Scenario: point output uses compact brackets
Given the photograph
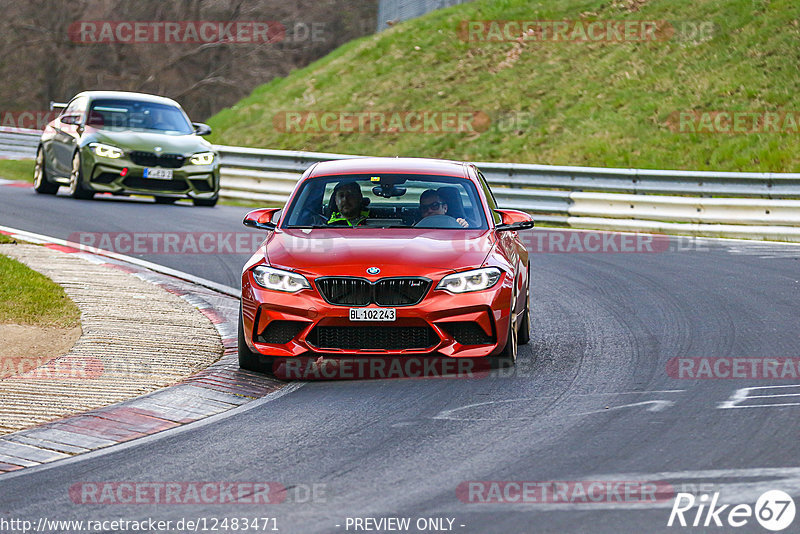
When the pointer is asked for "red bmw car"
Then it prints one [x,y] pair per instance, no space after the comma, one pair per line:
[386,257]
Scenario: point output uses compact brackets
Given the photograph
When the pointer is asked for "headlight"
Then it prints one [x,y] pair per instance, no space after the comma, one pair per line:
[278,280]
[106,151]
[475,280]
[203,158]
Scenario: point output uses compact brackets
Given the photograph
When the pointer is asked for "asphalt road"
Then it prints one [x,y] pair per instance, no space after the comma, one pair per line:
[591,400]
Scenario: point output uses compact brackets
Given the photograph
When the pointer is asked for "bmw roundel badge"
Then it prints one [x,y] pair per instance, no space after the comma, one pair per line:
[373,270]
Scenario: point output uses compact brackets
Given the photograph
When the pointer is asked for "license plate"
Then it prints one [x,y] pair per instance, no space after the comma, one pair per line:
[372,314]
[161,174]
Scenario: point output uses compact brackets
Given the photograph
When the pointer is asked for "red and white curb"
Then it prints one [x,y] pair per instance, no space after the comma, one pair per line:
[216,389]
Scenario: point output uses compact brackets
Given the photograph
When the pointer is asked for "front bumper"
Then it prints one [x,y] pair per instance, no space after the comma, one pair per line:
[104,175]
[468,325]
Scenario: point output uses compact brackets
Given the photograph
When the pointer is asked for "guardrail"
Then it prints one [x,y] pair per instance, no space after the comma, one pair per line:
[714,204]
[18,143]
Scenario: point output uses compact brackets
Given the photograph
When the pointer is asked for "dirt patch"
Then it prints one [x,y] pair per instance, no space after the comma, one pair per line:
[24,348]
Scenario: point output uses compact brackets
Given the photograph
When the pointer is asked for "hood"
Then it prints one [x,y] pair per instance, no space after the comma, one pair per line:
[147,141]
[396,252]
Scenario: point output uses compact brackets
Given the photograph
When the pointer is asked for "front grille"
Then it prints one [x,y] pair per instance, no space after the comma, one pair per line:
[373,337]
[150,159]
[345,291]
[400,291]
[468,333]
[151,184]
[280,332]
[352,291]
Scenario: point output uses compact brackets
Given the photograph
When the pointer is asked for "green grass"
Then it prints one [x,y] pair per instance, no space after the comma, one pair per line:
[600,104]
[30,298]
[17,169]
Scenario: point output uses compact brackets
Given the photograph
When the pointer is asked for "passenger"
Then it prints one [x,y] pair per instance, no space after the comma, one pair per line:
[348,205]
[430,204]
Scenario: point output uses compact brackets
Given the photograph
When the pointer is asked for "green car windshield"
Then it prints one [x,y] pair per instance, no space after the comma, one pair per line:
[122,115]
[387,201]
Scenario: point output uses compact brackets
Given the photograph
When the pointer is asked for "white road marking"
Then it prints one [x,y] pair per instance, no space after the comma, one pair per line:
[656,406]
[449,415]
[743,394]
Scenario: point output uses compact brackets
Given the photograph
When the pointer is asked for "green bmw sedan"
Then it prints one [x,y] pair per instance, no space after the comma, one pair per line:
[127,143]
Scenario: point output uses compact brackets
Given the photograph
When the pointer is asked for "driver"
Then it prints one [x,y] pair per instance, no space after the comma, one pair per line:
[156,119]
[430,204]
[349,201]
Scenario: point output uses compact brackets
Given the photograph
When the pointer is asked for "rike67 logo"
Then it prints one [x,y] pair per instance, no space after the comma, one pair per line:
[774,510]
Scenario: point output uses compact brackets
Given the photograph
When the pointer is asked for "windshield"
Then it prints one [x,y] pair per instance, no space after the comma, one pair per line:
[386,201]
[120,115]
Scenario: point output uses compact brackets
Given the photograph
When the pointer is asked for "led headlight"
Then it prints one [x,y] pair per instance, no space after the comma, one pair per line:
[106,151]
[475,280]
[279,280]
[203,158]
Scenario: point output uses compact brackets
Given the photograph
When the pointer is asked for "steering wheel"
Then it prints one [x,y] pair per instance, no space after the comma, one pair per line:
[313,218]
[438,221]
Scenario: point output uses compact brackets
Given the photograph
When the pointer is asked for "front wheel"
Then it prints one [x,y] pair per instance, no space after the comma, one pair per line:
[40,183]
[508,357]
[524,335]
[76,188]
[249,360]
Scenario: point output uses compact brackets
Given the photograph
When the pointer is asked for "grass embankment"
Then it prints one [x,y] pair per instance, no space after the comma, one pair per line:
[30,298]
[581,103]
[16,169]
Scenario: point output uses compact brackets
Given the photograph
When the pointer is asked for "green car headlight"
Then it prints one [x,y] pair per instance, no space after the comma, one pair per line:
[106,151]
[468,281]
[203,158]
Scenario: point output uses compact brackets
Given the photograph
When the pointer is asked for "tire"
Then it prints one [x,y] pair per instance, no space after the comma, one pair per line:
[76,188]
[205,202]
[40,182]
[165,200]
[507,358]
[524,334]
[249,360]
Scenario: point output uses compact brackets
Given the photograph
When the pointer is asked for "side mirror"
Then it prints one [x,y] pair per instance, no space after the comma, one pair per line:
[261,219]
[201,129]
[70,119]
[514,220]
[57,105]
